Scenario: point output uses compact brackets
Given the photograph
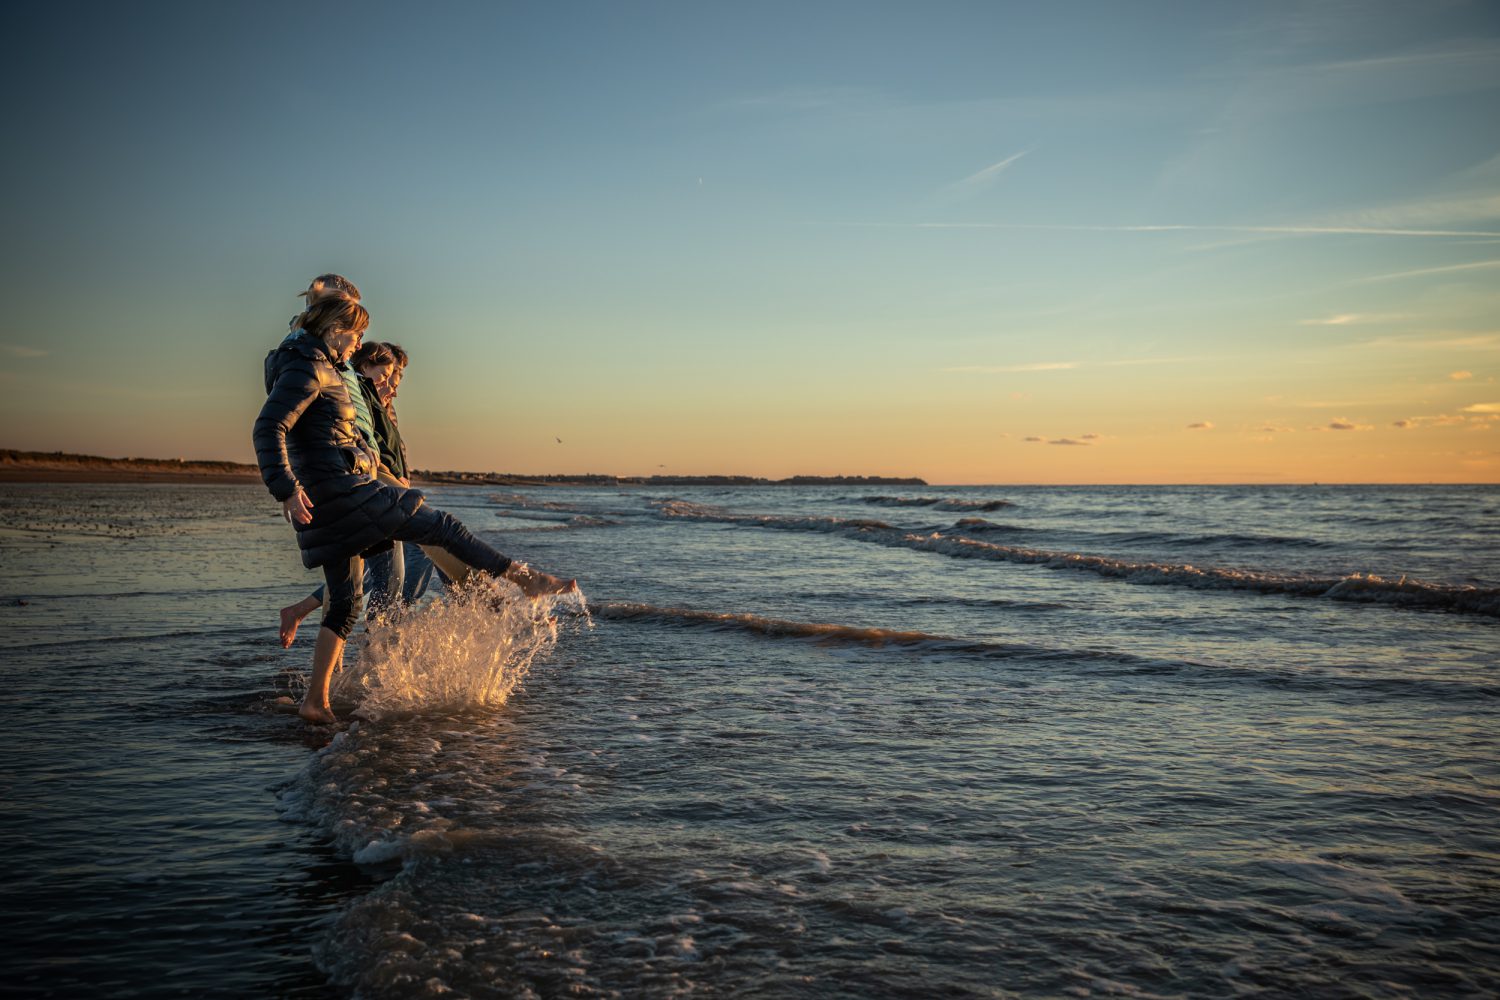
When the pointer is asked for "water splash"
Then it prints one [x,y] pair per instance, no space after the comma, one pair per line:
[470,647]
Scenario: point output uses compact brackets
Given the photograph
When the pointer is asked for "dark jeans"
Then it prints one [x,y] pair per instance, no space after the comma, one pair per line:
[379,582]
[428,526]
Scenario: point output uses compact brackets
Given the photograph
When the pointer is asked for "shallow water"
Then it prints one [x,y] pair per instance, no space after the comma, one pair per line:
[813,742]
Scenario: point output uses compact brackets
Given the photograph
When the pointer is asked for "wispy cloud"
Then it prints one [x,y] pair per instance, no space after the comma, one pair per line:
[1438,420]
[1083,441]
[1307,230]
[1145,361]
[1053,366]
[1460,376]
[1355,319]
[1448,340]
[1478,265]
[1457,217]
[982,179]
[1280,81]
[1041,366]
[1202,425]
[1281,85]
[1458,209]
[22,351]
[1345,424]
[1483,408]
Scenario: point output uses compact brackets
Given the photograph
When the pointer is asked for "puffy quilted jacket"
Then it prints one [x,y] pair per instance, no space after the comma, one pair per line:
[305,437]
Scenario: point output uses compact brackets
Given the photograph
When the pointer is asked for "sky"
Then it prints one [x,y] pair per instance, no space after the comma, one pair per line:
[1074,242]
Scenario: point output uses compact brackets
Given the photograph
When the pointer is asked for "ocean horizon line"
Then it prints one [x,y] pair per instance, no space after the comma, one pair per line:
[18,465]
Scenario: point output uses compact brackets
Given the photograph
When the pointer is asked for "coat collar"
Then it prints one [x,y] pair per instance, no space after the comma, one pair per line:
[309,346]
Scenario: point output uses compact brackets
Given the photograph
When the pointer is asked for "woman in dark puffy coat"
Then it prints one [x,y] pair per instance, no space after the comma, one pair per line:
[312,461]
[385,572]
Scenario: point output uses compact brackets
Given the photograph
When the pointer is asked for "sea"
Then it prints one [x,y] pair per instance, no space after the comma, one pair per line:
[807,742]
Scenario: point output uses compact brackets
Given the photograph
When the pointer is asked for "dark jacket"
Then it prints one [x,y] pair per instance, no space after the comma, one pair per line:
[305,436]
[387,436]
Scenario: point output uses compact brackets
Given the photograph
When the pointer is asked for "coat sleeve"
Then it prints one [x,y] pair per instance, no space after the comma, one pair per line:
[294,390]
[384,430]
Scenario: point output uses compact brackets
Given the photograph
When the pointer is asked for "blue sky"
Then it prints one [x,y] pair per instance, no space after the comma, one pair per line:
[775,238]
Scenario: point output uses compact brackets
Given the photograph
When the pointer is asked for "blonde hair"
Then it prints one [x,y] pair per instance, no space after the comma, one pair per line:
[321,289]
[335,313]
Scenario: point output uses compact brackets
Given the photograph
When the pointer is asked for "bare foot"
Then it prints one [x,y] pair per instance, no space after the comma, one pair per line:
[318,715]
[291,617]
[289,622]
[534,583]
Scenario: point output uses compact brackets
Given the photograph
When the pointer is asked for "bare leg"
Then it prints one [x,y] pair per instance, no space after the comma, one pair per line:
[292,615]
[457,570]
[327,654]
[533,583]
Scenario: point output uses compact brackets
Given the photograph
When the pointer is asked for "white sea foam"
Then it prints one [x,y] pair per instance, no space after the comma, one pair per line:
[558,521]
[939,503]
[772,627]
[1355,586]
[1362,587]
[520,500]
[688,509]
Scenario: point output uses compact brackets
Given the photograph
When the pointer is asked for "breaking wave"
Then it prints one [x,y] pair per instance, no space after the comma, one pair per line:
[521,500]
[980,526]
[938,503]
[773,627]
[557,524]
[1362,587]
[1355,677]
[1355,587]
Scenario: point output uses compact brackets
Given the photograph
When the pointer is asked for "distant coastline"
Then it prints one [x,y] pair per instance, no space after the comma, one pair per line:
[63,467]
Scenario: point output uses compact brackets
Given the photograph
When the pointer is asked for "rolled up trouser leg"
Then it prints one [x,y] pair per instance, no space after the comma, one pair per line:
[345,582]
[317,595]
[430,527]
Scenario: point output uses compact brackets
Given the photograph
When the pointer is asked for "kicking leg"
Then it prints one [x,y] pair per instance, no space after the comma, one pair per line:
[435,528]
[453,567]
